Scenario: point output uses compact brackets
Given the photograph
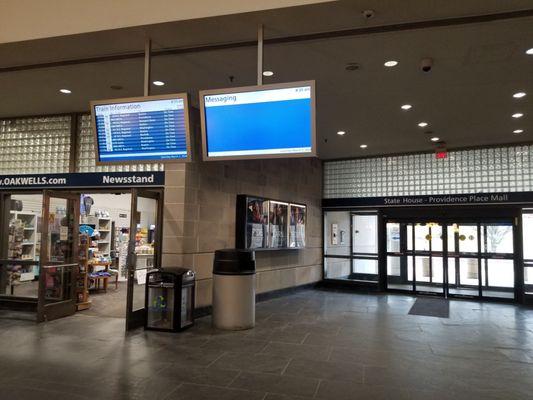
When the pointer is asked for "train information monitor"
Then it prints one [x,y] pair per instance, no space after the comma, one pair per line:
[268,121]
[142,129]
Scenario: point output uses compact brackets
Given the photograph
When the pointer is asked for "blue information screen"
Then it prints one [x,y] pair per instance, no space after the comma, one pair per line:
[259,123]
[141,130]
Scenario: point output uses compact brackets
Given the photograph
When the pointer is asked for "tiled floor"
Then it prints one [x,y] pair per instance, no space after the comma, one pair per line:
[313,344]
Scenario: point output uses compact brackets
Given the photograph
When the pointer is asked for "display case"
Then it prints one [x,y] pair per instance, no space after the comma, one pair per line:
[267,224]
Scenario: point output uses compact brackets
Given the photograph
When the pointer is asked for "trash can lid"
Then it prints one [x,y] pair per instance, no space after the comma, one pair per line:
[234,262]
[186,272]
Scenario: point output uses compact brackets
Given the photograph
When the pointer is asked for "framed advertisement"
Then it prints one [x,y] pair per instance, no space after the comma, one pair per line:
[298,215]
[256,223]
[278,224]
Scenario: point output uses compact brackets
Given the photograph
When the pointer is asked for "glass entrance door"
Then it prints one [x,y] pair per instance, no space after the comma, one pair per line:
[415,257]
[425,257]
[59,231]
[144,251]
[452,259]
[497,260]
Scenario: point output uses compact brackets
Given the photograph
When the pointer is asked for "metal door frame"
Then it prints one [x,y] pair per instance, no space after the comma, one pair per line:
[137,318]
[446,254]
[49,311]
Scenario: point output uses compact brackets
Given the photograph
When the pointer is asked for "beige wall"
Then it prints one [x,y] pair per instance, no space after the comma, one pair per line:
[36,19]
[199,217]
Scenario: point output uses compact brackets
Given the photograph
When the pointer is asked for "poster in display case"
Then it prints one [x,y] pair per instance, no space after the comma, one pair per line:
[278,224]
[297,225]
[256,223]
[266,224]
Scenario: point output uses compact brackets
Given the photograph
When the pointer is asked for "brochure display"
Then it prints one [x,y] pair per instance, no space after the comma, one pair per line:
[264,224]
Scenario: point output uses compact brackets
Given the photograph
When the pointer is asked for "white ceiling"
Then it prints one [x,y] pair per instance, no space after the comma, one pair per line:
[467,98]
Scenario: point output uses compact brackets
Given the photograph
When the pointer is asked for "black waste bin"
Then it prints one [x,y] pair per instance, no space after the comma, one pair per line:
[169,299]
[234,289]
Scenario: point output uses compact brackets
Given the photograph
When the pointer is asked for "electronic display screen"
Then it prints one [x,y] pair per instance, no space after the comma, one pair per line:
[259,122]
[141,129]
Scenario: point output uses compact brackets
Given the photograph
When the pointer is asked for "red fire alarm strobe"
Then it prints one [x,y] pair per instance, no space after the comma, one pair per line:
[441,153]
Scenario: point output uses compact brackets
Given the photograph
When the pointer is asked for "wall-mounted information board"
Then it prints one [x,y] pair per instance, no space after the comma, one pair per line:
[154,128]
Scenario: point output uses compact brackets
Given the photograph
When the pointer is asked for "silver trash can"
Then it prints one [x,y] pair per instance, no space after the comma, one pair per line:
[234,289]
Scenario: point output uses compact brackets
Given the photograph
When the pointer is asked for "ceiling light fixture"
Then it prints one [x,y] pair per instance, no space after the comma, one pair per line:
[352,66]
[363,146]
[65,91]
[407,107]
[341,133]
[435,139]
[391,63]
[519,95]
[518,131]
[530,51]
[268,73]
[423,124]
[159,83]
[517,115]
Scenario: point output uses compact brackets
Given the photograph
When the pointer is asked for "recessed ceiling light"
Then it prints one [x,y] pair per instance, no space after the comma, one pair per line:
[435,139]
[530,51]
[341,133]
[518,131]
[519,95]
[407,107]
[363,146]
[268,73]
[391,63]
[65,91]
[423,124]
[159,83]
[517,115]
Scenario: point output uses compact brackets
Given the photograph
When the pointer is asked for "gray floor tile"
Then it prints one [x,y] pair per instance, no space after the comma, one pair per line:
[235,344]
[199,375]
[277,396]
[297,351]
[187,355]
[271,383]
[252,363]
[340,371]
[189,391]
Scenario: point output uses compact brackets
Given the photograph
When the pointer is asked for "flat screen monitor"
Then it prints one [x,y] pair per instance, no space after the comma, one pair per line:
[142,129]
[268,121]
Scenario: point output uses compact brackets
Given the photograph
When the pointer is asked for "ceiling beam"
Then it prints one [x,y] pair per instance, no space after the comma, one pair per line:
[408,26]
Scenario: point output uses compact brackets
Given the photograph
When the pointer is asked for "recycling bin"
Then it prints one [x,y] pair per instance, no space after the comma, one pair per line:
[169,299]
[234,289]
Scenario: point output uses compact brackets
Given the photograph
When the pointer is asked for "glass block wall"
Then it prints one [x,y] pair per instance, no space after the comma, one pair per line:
[35,145]
[86,153]
[502,169]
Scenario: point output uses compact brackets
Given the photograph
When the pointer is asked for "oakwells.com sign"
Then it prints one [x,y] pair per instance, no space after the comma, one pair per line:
[82,180]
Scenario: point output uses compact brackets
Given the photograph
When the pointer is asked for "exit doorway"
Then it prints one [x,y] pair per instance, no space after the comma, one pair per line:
[474,259]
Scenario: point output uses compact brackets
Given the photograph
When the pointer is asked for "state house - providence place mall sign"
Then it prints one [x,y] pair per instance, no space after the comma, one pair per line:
[82,180]
[432,200]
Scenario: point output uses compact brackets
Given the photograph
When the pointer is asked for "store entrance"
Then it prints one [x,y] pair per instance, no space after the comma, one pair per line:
[451,259]
[85,251]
